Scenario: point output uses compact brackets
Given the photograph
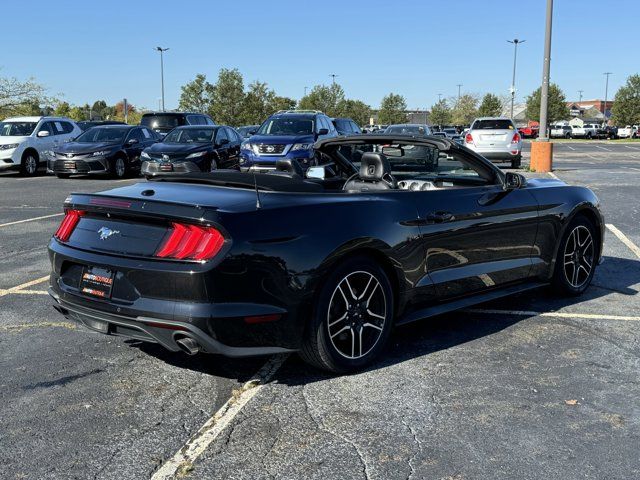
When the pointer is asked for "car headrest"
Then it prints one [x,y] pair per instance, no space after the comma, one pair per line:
[291,166]
[374,166]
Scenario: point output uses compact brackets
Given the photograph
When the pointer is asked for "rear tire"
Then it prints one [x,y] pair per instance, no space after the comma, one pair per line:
[577,257]
[29,165]
[515,163]
[352,318]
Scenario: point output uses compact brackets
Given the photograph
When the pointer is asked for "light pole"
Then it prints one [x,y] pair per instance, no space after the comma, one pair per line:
[580,95]
[333,78]
[542,149]
[606,92]
[459,85]
[162,50]
[515,42]
[439,97]
[305,91]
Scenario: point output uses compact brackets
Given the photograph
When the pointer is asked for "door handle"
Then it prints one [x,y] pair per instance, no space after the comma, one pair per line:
[440,217]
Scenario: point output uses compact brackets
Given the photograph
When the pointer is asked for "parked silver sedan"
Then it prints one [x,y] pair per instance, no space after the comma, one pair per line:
[495,138]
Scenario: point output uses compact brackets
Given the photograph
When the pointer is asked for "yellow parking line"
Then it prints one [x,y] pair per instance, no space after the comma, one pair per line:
[22,286]
[624,239]
[30,219]
[528,313]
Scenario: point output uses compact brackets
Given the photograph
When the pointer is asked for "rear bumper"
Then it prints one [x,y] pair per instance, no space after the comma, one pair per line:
[499,153]
[150,329]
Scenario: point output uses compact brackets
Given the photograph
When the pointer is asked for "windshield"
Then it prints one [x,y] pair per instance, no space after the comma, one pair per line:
[498,124]
[17,129]
[407,129]
[287,126]
[190,135]
[408,161]
[100,135]
[161,121]
[451,131]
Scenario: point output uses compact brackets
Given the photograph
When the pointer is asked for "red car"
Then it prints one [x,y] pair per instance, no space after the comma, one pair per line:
[530,131]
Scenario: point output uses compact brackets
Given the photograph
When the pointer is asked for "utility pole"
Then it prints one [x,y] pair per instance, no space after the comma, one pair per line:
[162,50]
[459,85]
[515,42]
[439,97]
[305,91]
[333,78]
[542,149]
[606,92]
[580,95]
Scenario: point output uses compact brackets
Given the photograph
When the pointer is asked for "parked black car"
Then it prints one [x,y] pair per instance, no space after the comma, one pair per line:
[193,149]
[247,130]
[607,131]
[103,150]
[391,229]
[84,126]
[164,122]
[346,126]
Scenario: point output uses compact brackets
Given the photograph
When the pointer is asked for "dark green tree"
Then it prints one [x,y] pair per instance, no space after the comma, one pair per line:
[323,98]
[626,103]
[557,105]
[491,106]
[440,113]
[465,109]
[227,97]
[392,109]
[196,95]
[356,110]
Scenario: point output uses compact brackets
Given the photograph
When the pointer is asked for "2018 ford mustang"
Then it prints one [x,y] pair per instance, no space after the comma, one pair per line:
[387,230]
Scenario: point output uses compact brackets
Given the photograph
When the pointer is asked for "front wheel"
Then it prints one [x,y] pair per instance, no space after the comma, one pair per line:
[118,168]
[29,166]
[352,318]
[577,257]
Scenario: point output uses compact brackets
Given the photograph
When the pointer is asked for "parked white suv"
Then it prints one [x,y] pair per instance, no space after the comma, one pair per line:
[24,141]
[496,139]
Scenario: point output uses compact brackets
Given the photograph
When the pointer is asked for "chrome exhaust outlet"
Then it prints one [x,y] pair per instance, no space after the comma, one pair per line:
[188,345]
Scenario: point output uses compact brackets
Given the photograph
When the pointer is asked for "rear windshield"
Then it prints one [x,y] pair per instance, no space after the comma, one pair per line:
[407,129]
[16,129]
[161,121]
[492,125]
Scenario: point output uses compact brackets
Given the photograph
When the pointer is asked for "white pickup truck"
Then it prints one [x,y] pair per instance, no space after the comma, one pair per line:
[588,130]
[627,132]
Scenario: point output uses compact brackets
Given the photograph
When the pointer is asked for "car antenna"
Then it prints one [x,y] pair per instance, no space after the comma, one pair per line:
[255,184]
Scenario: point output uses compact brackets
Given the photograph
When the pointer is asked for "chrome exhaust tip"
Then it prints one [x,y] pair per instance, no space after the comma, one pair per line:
[188,345]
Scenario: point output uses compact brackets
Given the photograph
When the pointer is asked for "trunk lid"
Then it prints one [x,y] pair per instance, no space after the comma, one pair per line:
[492,137]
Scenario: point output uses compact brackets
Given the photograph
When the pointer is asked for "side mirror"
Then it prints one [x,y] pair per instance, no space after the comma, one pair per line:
[252,132]
[316,172]
[43,133]
[222,142]
[132,141]
[513,181]
[323,131]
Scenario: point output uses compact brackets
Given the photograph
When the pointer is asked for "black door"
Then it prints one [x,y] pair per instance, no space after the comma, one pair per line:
[134,145]
[475,236]
[221,146]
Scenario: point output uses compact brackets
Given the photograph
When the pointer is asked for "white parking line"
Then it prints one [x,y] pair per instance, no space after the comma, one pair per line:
[631,148]
[553,175]
[624,239]
[183,459]
[527,313]
[18,288]
[632,168]
[30,219]
[603,148]
[570,147]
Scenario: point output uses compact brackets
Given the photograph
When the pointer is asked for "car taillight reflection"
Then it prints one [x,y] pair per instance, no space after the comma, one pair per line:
[69,222]
[191,242]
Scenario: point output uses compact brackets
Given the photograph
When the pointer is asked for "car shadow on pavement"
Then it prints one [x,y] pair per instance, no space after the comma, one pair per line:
[615,276]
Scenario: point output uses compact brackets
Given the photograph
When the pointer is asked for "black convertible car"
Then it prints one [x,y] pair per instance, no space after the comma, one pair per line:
[388,230]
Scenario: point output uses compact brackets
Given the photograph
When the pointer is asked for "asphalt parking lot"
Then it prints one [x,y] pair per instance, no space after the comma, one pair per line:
[532,386]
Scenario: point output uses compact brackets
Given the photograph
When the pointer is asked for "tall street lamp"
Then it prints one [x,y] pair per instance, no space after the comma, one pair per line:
[162,50]
[515,42]
[580,95]
[459,85]
[606,92]
[333,78]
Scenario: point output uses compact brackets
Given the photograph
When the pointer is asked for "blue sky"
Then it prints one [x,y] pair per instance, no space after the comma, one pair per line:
[104,50]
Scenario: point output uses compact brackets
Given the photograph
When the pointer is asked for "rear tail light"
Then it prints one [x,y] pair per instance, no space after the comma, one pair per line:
[468,138]
[69,222]
[516,138]
[190,242]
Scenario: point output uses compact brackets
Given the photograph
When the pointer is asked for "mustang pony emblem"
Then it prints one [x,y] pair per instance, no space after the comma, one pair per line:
[106,232]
